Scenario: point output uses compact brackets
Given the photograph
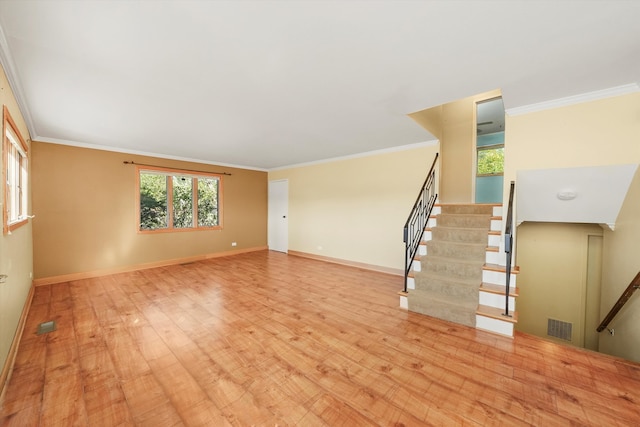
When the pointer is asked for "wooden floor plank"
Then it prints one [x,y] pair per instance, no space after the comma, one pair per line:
[269,339]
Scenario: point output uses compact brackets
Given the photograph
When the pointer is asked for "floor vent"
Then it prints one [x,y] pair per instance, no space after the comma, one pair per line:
[559,329]
[46,327]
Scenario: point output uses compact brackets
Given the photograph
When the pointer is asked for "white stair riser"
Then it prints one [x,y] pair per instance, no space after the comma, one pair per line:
[422,250]
[416,265]
[436,210]
[404,302]
[494,325]
[411,283]
[497,277]
[496,300]
[431,222]
[500,258]
[494,240]
[495,258]
[426,236]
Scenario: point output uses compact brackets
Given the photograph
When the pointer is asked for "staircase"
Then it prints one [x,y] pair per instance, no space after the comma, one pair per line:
[458,273]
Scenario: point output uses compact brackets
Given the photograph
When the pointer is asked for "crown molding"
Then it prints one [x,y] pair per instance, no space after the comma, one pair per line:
[204,162]
[6,60]
[575,99]
[141,153]
[359,155]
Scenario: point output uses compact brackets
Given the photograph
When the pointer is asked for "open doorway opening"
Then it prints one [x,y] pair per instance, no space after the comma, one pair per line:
[489,151]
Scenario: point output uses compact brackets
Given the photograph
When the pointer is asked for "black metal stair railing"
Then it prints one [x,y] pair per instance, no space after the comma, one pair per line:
[508,247]
[418,218]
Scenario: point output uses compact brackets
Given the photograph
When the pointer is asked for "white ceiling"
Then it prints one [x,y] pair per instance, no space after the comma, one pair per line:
[579,195]
[265,84]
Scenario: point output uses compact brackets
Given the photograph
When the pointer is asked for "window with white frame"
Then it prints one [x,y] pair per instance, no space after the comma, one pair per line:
[16,175]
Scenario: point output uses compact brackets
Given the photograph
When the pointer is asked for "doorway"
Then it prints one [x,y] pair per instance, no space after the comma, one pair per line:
[560,281]
[592,292]
[278,221]
[489,151]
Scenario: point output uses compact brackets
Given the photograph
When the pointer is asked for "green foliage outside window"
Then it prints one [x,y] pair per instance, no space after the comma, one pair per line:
[207,202]
[153,201]
[155,206]
[182,202]
[491,161]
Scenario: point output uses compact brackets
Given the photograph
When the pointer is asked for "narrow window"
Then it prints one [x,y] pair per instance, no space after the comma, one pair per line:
[172,200]
[16,175]
[154,211]
[207,202]
[490,160]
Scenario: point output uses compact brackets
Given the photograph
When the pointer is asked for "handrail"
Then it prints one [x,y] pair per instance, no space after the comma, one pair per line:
[418,218]
[633,286]
[508,247]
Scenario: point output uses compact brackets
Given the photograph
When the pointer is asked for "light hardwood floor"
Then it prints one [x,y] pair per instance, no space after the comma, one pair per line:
[270,339]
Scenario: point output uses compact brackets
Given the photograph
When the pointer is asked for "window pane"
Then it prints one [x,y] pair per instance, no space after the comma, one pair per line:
[491,161]
[11,183]
[207,202]
[16,178]
[182,202]
[23,186]
[153,201]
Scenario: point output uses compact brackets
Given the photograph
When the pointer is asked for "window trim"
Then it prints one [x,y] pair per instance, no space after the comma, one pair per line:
[169,172]
[23,151]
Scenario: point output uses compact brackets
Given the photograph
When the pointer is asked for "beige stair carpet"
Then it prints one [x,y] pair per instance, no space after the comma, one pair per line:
[447,287]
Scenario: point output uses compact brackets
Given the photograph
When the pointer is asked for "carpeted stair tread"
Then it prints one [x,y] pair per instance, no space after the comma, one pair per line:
[458,234]
[458,261]
[485,229]
[450,242]
[483,215]
[424,276]
[457,250]
[443,307]
[464,220]
[467,209]
[458,268]
[463,289]
[422,296]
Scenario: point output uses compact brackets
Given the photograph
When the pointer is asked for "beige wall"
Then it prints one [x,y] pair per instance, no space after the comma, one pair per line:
[458,149]
[621,264]
[85,206]
[455,124]
[355,209]
[602,132]
[430,119]
[553,262]
[16,254]
[597,133]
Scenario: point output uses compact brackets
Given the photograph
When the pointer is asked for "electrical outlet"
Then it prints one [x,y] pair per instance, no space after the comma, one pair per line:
[234,244]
